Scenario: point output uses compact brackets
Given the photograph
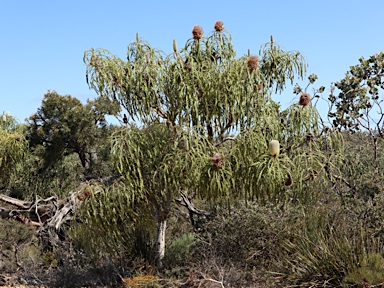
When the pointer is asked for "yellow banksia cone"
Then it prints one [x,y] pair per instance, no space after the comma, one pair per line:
[4,118]
[274,148]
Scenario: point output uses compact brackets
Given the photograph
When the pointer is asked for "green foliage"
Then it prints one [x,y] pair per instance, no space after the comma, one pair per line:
[358,104]
[31,178]
[279,66]
[67,141]
[201,85]
[362,166]
[248,236]
[297,246]
[13,147]
[8,122]
[14,233]
[309,154]
[63,125]
[153,164]
[130,231]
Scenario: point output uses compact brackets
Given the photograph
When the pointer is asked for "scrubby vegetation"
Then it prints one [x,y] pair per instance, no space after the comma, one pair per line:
[205,182]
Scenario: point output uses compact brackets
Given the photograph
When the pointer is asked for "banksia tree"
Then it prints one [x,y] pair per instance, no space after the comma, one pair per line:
[206,128]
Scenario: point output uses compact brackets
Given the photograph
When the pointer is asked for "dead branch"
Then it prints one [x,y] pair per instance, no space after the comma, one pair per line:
[15,202]
[185,201]
[51,216]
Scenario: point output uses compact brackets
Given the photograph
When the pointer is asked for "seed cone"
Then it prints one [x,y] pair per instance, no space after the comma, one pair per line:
[197,32]
[274,148]
[288,182]
[305,99]
[253,63]
[219,26]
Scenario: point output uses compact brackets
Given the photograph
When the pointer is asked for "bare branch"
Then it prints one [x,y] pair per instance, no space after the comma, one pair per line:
[225,140]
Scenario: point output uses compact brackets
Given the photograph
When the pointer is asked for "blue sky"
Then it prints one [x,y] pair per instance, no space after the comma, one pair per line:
[43,42]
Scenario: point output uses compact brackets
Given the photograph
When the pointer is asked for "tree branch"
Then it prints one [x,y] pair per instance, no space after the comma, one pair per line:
[227,126]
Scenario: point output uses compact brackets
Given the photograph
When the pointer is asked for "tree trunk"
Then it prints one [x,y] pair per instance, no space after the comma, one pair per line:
[83,157]
[160,241]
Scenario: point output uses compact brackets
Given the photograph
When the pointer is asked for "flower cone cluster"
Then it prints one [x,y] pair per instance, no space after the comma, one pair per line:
[217,160]
[253,63]
[305,99]
[197,32]
[219,26]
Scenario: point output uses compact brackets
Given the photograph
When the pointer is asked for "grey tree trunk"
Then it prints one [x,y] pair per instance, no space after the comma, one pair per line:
[160,242]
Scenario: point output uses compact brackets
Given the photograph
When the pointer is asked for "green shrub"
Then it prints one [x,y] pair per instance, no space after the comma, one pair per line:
[371,271]
[327,244]
[248,237]
[13,237]
[179,251]
[297,245]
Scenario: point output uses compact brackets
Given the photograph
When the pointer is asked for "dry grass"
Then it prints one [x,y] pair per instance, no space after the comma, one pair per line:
[23,286]
[141,281]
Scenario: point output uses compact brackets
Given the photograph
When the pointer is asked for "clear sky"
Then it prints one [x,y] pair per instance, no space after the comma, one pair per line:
[43,41]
